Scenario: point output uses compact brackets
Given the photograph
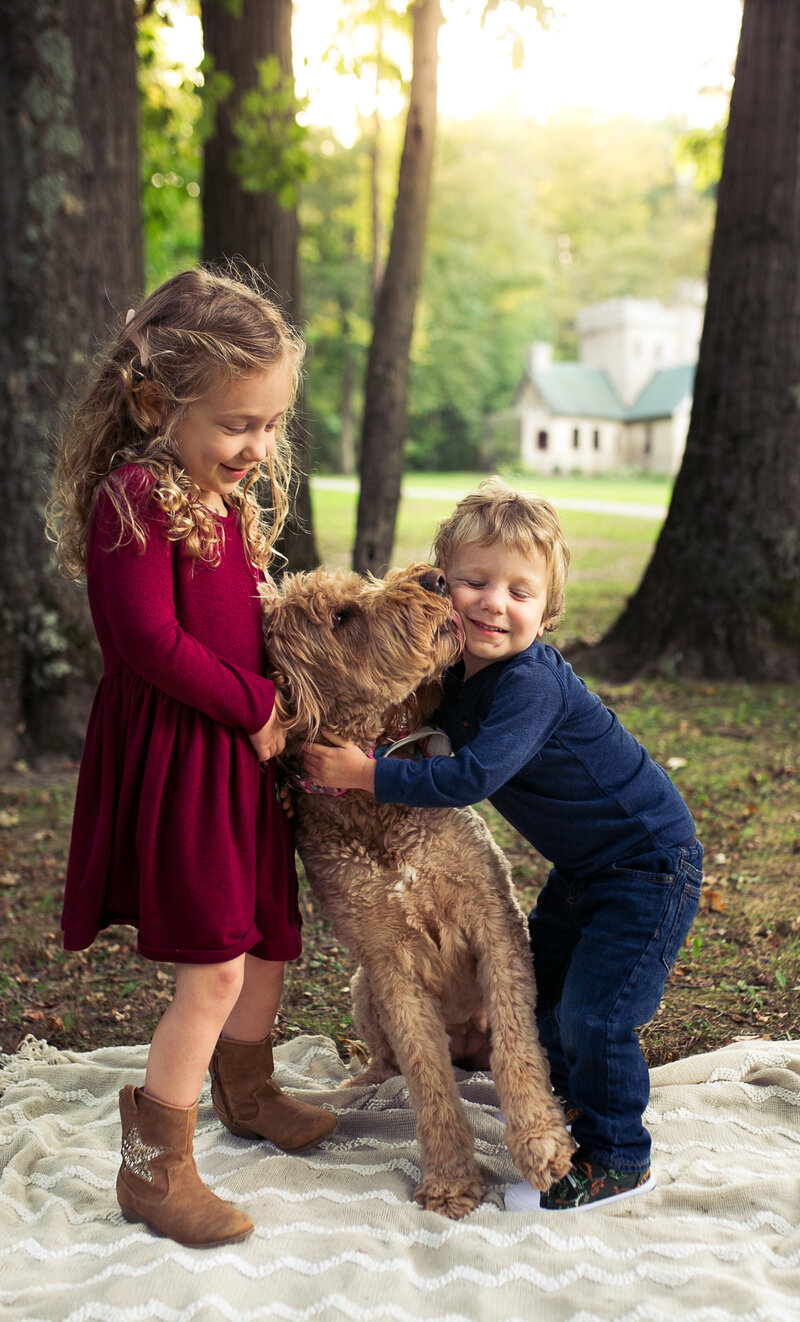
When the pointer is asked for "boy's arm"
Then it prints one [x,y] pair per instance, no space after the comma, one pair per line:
[517,726]
[341,767]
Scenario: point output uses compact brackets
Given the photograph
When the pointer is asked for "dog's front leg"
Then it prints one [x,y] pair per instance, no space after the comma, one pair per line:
[450,1183]
[536,1134]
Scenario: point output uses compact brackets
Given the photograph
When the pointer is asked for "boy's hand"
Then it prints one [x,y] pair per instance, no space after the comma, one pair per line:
[270,740]
[343,767]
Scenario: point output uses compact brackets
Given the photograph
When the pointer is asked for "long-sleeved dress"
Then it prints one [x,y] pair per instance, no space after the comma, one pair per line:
[177,830]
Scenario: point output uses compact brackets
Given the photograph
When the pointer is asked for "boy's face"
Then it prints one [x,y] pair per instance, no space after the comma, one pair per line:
[501,597]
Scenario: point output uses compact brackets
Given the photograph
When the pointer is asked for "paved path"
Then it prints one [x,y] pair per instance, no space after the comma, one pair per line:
[626,508]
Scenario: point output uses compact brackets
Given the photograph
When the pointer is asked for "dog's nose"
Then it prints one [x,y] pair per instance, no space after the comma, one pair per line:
[433,581]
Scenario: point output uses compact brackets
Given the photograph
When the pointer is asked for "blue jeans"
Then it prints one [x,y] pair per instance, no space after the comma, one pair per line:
[602,948]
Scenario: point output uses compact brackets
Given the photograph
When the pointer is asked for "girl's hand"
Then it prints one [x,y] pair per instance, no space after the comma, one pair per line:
[270,740]
[343,767]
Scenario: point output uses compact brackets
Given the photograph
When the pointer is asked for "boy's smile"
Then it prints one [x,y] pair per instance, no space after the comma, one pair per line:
[501,597]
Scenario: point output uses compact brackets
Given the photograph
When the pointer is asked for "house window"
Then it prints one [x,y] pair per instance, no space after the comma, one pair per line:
[648,438]
[576,438]
[542,440]
[596,439]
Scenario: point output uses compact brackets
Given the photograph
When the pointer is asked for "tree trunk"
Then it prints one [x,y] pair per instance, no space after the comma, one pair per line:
[241,224]
[386,391]
[347,440]
[721,596]
[71,260]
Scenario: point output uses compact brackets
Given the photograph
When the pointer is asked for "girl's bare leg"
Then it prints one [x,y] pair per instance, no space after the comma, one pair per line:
[205,995]
[253,1016]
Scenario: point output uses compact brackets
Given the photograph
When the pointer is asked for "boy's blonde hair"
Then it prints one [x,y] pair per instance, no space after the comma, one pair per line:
[196,332]
[495,513]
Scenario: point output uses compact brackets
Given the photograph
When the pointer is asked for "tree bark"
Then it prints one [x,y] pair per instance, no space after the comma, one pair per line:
[721,595]
[253,226]
[71,260]
[386,390]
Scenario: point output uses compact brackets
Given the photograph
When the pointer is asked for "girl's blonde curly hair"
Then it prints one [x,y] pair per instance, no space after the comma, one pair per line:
[196,332]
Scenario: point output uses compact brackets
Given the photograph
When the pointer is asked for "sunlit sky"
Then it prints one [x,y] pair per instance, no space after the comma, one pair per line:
[649,58]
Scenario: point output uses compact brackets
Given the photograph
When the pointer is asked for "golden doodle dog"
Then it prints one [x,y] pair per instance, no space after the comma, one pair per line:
[422,897]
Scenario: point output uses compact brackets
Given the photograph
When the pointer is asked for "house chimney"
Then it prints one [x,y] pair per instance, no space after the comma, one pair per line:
[540,356]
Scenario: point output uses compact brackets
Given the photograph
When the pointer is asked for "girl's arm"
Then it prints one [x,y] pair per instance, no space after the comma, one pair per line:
[134,591]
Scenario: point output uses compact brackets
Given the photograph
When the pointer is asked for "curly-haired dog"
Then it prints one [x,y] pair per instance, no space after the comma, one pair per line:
[422,897]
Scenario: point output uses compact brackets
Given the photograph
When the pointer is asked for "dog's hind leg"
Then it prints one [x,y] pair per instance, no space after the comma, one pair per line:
[536,1134]
[366,1021]
[451,1183]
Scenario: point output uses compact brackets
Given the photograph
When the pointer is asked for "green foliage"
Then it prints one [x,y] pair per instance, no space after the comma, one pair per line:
[529,223]
[347,54]
[700,152]
[272,156]
[543,12]
[216,87]
[171,157]
[335,255]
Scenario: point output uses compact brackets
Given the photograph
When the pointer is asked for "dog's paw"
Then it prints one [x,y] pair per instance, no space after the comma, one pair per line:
[453,1198]
[376,1072]
[542,1154]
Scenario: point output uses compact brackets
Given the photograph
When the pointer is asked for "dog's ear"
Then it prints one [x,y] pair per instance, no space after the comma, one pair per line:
[298,700]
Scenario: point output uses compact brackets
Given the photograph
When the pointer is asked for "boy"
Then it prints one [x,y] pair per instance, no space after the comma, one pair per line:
[626,867]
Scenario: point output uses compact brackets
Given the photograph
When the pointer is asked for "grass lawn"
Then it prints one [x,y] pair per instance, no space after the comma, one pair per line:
[731,748]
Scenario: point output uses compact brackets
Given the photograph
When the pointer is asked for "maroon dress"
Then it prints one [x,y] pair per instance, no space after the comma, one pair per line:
[177,830]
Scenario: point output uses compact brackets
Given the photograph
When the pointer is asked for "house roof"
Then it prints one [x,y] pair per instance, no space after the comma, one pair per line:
[663,393]
[574,390]
[577,391]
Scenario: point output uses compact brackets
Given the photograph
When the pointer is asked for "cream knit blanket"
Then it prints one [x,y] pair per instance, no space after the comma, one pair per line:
[338,1238]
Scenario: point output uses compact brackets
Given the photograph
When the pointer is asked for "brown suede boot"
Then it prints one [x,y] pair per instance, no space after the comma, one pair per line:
[158,1182]
[252,1106]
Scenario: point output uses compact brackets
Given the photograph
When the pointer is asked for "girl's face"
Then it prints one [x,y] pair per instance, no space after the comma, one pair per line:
[231,430]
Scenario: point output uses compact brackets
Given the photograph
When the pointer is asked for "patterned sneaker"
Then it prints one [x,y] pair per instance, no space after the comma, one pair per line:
[587,1185]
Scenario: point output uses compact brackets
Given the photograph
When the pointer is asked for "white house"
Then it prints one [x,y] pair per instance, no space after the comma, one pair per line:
[625,403]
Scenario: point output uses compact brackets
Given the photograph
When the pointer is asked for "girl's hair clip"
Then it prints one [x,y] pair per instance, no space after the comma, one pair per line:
[136,338]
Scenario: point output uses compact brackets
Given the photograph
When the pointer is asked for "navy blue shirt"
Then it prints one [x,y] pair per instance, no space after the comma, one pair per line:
[529,736]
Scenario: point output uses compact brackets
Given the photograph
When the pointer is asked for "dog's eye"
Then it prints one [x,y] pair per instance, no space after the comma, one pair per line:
[341,618]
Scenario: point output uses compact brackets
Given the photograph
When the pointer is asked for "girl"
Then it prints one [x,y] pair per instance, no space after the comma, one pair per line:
[177,828]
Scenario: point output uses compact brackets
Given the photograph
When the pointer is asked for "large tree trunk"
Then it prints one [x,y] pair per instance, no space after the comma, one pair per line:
[71,260]
[238,223]
[386,393]
[721,596]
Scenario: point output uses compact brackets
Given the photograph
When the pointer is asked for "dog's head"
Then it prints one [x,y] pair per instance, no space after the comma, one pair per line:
[344,649]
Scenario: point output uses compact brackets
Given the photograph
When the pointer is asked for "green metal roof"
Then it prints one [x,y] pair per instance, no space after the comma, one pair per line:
[574,390]
[663,393]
